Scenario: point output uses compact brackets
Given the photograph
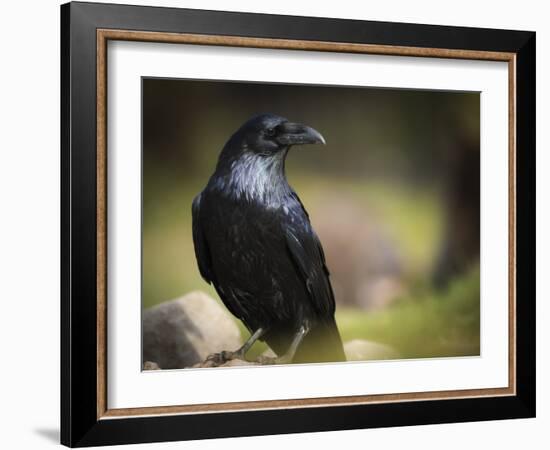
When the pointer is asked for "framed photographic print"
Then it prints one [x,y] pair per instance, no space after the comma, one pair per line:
[276,224]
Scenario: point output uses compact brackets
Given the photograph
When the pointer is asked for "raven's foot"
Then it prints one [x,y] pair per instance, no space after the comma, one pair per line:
[219,359]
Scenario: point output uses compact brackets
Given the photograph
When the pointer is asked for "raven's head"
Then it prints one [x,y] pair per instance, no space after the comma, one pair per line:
[252,162]
[268,134]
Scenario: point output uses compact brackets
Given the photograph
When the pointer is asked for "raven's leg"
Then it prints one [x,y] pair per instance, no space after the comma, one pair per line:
[289,355]
[220,358]
[240,353]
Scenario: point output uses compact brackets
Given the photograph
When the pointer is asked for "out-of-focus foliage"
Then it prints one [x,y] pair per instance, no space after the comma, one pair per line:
[424,323]
[392,196]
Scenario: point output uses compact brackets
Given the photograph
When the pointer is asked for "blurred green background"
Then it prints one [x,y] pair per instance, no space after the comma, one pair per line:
[393,196]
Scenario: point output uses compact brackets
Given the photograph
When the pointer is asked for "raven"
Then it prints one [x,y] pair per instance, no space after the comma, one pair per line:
[254,242]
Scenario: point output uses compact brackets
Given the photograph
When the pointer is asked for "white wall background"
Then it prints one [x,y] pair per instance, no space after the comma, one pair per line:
[29,225]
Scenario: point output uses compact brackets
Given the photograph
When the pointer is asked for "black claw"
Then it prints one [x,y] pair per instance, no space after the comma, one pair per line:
[215,359]
[218,359]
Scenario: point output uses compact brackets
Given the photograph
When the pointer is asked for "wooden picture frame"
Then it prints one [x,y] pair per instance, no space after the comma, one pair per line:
[86,418]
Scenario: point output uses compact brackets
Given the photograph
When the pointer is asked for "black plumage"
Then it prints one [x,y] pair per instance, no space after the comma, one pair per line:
[254,242]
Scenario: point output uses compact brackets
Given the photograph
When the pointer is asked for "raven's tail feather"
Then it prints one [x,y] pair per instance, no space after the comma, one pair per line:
[322,344]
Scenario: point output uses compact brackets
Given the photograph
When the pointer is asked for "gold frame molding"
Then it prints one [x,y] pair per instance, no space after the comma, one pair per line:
[104,35]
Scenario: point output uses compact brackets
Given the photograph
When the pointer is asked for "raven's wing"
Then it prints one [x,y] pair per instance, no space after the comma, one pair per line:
[202,252]
[204,261]
[307,253]
[323,342]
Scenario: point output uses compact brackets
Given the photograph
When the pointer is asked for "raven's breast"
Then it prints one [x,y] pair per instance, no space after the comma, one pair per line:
[254,273]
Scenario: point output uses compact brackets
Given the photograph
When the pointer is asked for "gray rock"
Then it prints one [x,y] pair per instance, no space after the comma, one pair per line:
[363,350]
[150,365]
[230,363]
[355,350]
[183,332]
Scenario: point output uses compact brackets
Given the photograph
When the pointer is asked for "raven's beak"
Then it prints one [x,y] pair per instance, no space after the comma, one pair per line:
[297,134]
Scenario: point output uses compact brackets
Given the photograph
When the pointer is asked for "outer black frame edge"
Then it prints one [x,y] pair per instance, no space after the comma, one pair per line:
[65,226]
[525,222]
[79,426]
[302,420]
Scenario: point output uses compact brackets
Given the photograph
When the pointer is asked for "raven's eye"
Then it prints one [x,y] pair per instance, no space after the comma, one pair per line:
[270,132]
